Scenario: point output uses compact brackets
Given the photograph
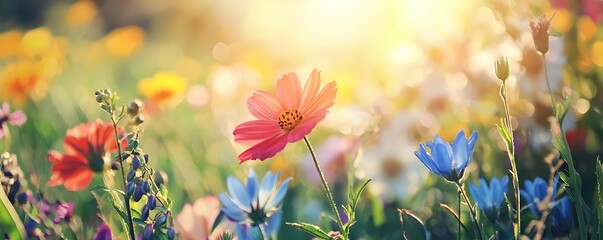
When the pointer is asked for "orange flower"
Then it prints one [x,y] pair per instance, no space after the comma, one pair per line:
[125,41]
[87,151]
[23,80]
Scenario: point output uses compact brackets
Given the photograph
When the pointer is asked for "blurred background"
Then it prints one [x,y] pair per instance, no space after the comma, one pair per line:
[406,71]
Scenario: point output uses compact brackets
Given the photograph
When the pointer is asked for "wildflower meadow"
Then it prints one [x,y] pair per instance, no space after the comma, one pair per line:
[232,119]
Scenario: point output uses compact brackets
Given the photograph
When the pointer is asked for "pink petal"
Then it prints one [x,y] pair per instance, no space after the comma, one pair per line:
[265,149]
[256,130]
[324,100]
[305,127]
[264,106]
[5,108]
[17,118]
[288,91]
[311,88]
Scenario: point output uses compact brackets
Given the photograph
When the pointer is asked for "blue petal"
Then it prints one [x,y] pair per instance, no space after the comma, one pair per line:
[427,159]
[443,159]
[231,209]
[477,195]
[486,193]
[252,187]
[267,187]
[273,223]
[459,149]
[278,196]
[238,192]
[471,142]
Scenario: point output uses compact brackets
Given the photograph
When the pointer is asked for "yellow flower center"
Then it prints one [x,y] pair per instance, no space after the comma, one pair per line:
[289,119]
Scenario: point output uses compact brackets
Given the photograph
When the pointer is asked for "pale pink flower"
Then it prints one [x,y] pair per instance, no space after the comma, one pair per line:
[16,118]
[286,117]
[195,221]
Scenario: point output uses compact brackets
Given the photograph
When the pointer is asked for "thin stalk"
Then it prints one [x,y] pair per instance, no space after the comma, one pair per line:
[325,187]
[471,211]
[511,154]
[7,138]
[459,201]
[574,177]
[123,177]
[263,232]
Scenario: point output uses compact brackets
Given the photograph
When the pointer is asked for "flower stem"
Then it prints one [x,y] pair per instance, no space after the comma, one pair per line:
[471,210]
[511,154]
[263,232]
[7,138]
[325,187]
[459,201]
[131,234]
[567,156]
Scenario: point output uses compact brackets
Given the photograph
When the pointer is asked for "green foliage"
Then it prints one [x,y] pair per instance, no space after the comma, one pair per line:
[311,229]
[10,223]
[350,209]
[413,227]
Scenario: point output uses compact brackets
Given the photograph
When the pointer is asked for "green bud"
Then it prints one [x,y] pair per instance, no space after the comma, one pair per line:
[502,69]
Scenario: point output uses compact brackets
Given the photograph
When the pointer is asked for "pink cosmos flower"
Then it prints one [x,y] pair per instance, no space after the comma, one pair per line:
[286,117]
[16,118]
[195,221]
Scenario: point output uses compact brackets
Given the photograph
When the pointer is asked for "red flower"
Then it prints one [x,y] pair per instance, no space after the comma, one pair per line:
[87,151]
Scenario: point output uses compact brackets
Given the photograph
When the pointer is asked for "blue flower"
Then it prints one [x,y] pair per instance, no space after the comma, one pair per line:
[490,198]
[246,231]
[256,203]
[535,193]
[562,218]
[448,160]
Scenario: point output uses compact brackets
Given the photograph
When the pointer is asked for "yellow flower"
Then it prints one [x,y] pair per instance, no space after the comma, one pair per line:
[596,53]
[164,88]
[10,43]
[125,41]
[36,41]
[23,80]
[81,12]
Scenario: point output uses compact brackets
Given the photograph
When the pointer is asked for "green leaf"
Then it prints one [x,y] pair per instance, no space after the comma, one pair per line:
[555,33]
[378,215]
[104,197]
[311,229]
[101,188]
[412,226]
[218,220]
[10,222]
[353,201]
[139,221]
[562,109]
[599,173]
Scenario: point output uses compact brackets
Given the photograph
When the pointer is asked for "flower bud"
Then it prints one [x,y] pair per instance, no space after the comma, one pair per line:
[134,107]
[131,175]
[160,220]
[137,193]
[161,178]
[135,162]
[147,233]
[501,68]
[152,202]
[138,120]
[146,158]
[171,234]
[145,212]
[145,187]
[130,188]
[540,33]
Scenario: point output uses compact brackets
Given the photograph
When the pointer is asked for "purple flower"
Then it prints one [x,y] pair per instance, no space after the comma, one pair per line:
[103,232]
[16,118]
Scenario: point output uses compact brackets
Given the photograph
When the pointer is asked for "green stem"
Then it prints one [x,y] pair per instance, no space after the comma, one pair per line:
[511,154]
[123,177]
[567,156]
[459,201]
[325,187]
[471,211]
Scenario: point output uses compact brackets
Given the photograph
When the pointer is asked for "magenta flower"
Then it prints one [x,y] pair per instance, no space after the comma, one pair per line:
[287,117]
[16,118]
